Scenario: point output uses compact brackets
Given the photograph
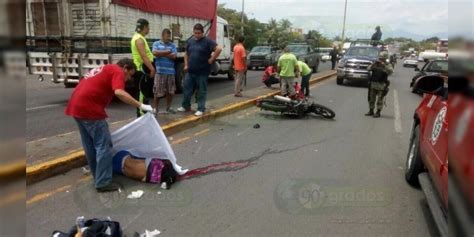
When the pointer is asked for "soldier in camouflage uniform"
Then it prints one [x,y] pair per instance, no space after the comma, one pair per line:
[378,84]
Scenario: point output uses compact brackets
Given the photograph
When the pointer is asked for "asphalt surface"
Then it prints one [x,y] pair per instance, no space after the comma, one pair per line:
[46,101]
[290,177]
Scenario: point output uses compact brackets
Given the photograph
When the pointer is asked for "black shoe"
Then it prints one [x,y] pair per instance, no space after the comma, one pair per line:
[370,113]
[377,114]
[111,187]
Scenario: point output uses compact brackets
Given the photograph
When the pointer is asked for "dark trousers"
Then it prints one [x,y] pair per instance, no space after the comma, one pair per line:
[143,89]
[271,80]
[333,64]
[305,84]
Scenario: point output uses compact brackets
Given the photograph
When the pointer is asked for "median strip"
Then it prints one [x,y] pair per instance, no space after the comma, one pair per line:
[44,170]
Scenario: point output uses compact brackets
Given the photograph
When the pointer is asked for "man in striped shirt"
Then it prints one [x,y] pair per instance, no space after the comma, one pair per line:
[165,54]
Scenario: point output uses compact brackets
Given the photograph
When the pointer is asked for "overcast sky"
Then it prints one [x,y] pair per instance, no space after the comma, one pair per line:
[416,18]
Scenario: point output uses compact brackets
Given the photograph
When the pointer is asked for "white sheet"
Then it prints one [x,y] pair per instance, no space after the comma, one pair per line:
[144,137]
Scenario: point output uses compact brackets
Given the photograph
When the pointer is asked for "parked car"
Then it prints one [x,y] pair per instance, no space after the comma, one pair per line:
[412,61]
[304,52]
[434,67]
[324,52]
[354,64]
[256,57]
[428,153]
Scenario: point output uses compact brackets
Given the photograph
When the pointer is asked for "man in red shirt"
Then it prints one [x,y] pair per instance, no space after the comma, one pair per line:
[87,106]
[240,65]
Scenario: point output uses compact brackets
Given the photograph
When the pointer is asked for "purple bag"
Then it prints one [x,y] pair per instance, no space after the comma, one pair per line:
[154,171]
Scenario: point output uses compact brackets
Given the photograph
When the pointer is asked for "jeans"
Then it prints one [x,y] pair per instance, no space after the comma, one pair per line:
[198,82]
[305,84]
[97,144]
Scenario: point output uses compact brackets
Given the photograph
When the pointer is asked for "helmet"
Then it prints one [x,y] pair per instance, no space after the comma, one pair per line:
[383,54]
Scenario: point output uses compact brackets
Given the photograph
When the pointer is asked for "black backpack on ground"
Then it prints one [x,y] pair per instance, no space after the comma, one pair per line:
[95,228]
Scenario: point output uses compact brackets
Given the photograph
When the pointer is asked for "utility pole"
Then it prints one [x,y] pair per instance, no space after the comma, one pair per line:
[344,26]
[242,19]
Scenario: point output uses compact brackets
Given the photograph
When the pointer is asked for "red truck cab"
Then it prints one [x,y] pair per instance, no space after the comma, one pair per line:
[431,143]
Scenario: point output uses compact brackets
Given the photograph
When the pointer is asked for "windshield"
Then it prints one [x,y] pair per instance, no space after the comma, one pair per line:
[298,49]
[366,52]
[260,50]
[438,66]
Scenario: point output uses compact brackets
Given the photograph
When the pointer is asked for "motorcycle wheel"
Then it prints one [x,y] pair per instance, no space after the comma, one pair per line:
[323,111]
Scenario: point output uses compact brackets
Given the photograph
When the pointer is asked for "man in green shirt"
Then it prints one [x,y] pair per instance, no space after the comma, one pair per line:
[288,70]
[143,59]
[305,76]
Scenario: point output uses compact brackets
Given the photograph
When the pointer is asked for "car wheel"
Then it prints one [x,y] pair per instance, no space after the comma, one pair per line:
[340,80]
[414,164]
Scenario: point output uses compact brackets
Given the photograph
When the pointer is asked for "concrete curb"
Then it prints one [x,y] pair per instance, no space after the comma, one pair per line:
[41,171]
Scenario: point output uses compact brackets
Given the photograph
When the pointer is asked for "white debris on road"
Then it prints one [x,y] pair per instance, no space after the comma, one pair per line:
[135,194]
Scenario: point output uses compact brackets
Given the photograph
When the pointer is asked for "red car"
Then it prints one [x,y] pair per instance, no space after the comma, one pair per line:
[427,159]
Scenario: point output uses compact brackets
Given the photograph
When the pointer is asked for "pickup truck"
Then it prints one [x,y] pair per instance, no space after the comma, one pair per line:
[256,57]
[354,64]
[432,144]
[303,52]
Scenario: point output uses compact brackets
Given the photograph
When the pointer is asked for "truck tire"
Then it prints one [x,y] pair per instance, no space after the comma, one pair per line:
[179,80]
[70,85]
[414,164]
[340,80]
[231,73]
[316,67]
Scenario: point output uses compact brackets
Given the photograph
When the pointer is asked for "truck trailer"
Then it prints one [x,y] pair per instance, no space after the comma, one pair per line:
[66,39]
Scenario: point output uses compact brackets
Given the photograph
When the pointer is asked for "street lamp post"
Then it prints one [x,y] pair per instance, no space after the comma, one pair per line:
[344,25]
[242,19]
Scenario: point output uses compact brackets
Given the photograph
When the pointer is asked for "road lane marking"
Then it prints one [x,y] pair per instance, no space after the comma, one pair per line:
[45,195]
[396,105]
[43,107]
[202,132]
[181,140]
[12,198]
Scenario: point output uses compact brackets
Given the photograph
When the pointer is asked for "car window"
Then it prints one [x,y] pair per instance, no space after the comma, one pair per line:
[438,66]
[261,50]
[367,52]
[298,49]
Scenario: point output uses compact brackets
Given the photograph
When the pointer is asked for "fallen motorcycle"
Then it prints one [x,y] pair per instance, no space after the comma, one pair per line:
[295,107]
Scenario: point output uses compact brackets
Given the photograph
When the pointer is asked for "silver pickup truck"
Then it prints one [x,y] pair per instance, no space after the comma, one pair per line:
[354,64]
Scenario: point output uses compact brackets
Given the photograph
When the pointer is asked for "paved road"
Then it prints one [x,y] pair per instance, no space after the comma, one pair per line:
[290,177]
[46,102]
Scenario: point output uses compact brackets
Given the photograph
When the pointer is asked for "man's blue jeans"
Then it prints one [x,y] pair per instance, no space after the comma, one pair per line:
[97,144]
[198,82]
